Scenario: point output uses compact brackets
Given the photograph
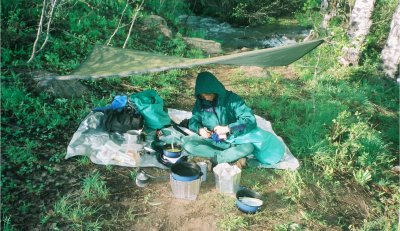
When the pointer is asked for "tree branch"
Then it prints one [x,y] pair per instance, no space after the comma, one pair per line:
[119,23]
[38,33]
[53,5]
[133,21]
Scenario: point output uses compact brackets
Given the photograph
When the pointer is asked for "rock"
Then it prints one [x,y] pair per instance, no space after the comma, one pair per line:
[311,36]
[157,22]
[208,46]
[396,169]
[57,88]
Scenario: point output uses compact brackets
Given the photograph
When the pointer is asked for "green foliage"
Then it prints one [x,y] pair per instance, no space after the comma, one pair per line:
[310,13]
[22,157]
[362,177]
[171,10]
[375,41]
[232,222]
[177,45]
[342,123]
[7,225]
[287,227]
[94,187]
[353,146]
[294,186]
[77,214]
[245,12]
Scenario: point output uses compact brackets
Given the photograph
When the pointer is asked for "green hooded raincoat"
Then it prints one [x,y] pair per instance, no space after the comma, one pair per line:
[228,109]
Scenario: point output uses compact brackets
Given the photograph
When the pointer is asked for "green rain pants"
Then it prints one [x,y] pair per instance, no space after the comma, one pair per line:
[221,152]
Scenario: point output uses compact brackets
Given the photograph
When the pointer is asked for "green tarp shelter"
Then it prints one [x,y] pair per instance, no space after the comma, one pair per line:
[108,61]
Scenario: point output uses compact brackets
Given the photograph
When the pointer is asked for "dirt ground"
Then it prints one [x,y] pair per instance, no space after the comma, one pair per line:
[169,213]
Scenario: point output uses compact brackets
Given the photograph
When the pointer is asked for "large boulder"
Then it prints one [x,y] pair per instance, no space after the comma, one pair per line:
[207,46]
[45,82]
[152,22]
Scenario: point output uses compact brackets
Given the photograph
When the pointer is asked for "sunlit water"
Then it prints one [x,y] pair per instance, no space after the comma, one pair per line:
[232,38]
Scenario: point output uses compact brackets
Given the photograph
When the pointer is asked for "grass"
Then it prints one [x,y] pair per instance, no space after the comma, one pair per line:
[94,187]
[341,123]
[343,137]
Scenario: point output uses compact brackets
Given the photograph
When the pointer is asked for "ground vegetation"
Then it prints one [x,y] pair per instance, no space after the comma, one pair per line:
[340,122]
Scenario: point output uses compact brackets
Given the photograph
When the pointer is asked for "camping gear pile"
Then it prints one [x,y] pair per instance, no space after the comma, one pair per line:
[144,148]
[158,144]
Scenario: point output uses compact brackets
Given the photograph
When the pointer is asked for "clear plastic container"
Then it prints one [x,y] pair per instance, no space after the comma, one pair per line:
[187,190]
[227,178]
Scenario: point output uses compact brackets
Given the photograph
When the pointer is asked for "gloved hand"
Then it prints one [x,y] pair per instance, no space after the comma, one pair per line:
[221,130]
[214,136]
[204,132]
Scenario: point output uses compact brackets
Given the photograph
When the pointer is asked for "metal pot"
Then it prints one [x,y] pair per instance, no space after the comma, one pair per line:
[184,171]
[142,179]
[172,151]
[244,205]
[134,137]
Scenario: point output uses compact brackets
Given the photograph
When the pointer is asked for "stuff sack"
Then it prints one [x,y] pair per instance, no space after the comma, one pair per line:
[121,116]
[151,106]
[268,149]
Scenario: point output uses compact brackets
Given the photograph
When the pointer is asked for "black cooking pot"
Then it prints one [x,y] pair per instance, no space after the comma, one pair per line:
[185,171]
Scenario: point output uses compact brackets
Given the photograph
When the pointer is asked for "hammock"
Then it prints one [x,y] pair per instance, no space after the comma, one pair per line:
[117,62]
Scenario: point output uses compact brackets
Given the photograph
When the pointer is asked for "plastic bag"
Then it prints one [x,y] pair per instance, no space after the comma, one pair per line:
[151,106]
[268,149]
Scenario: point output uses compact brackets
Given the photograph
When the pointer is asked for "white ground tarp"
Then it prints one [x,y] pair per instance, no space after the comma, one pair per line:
[110,149]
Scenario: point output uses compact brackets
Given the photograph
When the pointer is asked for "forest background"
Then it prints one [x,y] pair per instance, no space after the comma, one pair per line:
[340,121]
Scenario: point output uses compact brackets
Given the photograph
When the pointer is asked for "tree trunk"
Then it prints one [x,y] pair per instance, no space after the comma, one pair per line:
[391,52]
[329,11]
[360,23]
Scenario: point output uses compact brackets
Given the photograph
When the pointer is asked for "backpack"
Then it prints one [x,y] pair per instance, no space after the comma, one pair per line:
[151,105]
[121,116]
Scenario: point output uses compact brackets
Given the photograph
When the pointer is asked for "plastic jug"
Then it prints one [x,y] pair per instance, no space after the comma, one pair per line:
[227,178]
[133,145]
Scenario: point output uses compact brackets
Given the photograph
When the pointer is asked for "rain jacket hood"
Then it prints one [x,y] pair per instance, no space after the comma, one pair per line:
[227,109]
[208,83]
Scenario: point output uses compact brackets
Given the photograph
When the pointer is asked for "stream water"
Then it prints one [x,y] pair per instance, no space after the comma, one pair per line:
[232,38]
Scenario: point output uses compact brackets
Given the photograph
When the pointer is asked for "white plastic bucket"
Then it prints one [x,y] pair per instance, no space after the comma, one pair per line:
[187,190]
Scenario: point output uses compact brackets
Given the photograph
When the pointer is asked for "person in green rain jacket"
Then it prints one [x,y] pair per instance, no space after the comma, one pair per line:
[218,114]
